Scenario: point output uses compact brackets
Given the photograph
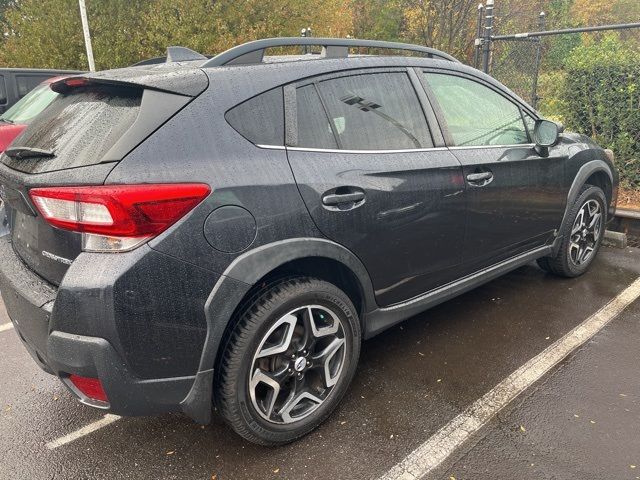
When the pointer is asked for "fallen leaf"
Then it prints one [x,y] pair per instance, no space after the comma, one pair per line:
[452,477]
[577,416]
[171,452]
[439,380]
[421,354]
[592,421]
[214,477]
[522,429]
[342,423]
[632,466]
[547,338]
[276,470]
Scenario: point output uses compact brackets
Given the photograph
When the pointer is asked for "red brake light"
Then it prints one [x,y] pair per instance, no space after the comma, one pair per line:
[76,82]
[91,387]
[134,213]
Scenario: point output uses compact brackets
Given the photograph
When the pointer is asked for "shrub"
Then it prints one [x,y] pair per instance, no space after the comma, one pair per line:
[602,99]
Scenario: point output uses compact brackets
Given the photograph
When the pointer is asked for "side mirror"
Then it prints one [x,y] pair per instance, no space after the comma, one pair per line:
[546,133]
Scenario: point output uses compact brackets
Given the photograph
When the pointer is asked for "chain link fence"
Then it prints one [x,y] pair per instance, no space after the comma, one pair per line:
[587,78]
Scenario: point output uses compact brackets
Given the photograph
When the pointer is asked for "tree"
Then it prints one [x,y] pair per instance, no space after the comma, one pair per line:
[43,33]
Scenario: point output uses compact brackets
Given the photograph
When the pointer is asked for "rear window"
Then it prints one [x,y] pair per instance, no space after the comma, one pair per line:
[260,119]
[79,128]
[30,105]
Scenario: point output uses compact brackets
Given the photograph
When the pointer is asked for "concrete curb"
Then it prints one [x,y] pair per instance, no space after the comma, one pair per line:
[615,239]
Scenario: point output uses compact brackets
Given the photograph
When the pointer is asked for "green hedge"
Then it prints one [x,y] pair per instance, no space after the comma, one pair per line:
[602,99]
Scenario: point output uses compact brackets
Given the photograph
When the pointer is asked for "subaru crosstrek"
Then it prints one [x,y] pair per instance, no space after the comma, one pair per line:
[225,232]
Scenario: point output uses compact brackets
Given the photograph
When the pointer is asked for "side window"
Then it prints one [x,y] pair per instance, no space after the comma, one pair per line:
[24,84]
[314,130]
[530,122]
[260,119]
[3,91]
[475,114]
[378,111]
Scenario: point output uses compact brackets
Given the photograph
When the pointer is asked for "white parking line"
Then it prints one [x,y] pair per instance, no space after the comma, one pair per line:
[432,453]
[92,427]
[6,326]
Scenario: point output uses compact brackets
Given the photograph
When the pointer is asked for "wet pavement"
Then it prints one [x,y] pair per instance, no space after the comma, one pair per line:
[412,380]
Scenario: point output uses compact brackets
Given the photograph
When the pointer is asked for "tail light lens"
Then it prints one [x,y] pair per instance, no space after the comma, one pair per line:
[90,387]
[116,218]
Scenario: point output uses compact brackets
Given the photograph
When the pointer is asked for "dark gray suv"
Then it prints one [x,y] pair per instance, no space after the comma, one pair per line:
[227,231]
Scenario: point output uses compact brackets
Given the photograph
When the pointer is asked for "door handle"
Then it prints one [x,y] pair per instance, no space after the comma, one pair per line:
[334,199]
[480,179]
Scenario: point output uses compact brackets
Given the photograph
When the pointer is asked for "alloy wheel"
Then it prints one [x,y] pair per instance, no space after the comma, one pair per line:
[585,232]
[297,364]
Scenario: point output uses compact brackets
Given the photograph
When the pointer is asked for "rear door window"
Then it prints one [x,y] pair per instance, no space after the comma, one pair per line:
[314,129]
[79,128]
[376,111]
[260,119]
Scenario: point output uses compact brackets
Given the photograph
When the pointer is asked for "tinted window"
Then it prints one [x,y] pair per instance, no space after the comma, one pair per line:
[314,130]
[531,123]
[475,114]
[79,128]
[375,112]
[26,83]
[3,91]
[260,119]
[30,105]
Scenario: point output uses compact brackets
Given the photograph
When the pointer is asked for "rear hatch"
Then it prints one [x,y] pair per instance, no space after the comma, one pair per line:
[95,122]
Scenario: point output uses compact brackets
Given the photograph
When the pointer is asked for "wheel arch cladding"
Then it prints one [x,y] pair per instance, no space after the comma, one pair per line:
[595,170]
[600,179]
[267,263]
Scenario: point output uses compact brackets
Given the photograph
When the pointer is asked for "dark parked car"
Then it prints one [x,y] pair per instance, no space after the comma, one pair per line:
[228,231]
[15,83]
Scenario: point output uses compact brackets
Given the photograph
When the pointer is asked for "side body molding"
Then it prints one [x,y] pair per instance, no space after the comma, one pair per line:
[236,282]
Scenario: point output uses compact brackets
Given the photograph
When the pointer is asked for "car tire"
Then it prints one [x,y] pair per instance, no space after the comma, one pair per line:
[582,235]
[301,333]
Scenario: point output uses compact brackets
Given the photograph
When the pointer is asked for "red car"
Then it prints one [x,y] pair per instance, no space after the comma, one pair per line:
[16,119]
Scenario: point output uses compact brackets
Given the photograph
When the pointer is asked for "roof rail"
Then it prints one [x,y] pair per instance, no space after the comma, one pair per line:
[253,52]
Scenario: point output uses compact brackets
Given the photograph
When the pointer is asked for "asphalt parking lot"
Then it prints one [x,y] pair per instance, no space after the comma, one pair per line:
[580,420]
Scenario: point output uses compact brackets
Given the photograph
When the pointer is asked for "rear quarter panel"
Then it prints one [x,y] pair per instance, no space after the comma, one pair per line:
[198,145]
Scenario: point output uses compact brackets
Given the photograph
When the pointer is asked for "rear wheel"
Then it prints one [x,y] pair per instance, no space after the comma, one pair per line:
[582,235]
[288,361]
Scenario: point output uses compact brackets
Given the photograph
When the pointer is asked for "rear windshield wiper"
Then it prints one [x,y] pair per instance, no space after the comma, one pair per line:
[28,152]
[6,120]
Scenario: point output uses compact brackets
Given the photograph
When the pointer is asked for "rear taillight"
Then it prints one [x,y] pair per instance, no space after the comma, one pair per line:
[117,217]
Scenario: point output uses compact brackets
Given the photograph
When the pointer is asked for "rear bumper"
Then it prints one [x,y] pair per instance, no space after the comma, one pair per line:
[95,357]
[87,327]
[29,300]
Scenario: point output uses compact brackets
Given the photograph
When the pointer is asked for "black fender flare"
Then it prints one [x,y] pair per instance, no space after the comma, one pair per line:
[588,169]
[235,283]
